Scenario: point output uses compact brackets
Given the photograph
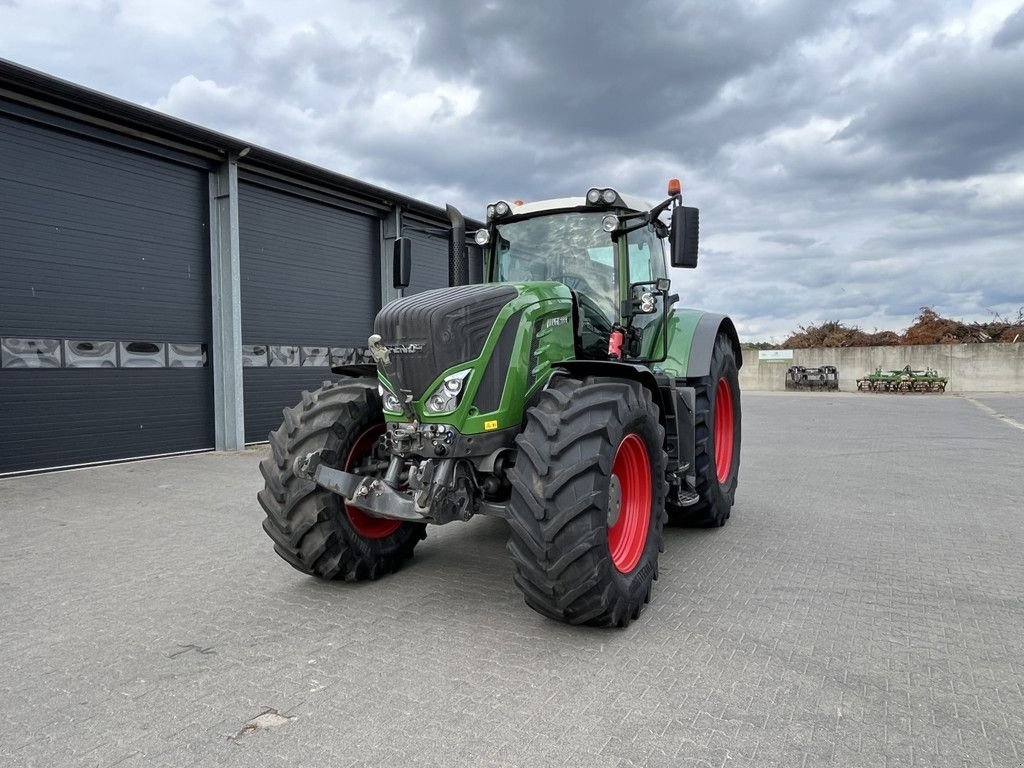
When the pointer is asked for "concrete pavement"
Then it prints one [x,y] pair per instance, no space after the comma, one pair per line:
[862,607]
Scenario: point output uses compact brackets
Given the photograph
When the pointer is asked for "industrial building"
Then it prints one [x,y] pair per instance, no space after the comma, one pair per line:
[166,288]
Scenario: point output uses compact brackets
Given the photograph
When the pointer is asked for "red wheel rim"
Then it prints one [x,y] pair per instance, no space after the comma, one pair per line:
[367,526]
[628,536]
[725,423]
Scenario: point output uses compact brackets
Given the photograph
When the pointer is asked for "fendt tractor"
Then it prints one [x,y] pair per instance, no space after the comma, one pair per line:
[554,384]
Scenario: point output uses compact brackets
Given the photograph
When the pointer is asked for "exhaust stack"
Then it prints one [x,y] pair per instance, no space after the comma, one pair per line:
[458,257]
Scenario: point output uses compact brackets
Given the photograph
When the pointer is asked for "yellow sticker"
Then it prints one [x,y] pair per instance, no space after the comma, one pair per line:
[489,425]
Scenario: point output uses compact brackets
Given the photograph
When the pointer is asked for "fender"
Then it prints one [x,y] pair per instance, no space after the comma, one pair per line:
[613,369]
[704,335]
[691,339]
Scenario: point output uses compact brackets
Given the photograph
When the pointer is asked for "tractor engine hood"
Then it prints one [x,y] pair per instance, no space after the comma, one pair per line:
[432,331]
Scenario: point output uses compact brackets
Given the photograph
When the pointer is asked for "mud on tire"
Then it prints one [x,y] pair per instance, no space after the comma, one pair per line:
[716,464]
[311,528]
[584,442]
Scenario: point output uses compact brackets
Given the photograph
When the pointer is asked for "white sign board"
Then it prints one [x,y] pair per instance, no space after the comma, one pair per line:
[775,355]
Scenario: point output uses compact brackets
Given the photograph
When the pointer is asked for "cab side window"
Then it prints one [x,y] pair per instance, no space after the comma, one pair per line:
[646,256]
[646,264]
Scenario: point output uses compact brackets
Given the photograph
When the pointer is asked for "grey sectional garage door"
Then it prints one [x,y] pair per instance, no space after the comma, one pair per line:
[429,256]
[104,300]
[310,289]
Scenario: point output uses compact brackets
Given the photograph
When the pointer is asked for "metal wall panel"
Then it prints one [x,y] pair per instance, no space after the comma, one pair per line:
[54,418]
[100,242]
[310,280]
[429,259]
[269,390]
[103,248]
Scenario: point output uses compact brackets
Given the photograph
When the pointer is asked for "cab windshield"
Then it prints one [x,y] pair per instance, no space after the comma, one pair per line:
[570,248]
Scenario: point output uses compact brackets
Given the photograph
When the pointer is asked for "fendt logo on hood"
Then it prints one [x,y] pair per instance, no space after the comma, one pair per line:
[404,349]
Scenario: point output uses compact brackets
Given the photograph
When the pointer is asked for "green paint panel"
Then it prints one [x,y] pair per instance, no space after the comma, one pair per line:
[682,324]
[543,311]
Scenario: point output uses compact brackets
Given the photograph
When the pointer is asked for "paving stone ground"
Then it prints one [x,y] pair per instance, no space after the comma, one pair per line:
[862,608]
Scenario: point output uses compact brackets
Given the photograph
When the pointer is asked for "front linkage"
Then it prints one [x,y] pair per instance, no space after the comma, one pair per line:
[413,489]
[431,490]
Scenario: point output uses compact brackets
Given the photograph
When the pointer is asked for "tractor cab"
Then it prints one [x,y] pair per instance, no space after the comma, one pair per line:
[606,247]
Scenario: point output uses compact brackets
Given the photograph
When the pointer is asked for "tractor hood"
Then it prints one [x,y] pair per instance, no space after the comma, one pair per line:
[432,331]
[488,336]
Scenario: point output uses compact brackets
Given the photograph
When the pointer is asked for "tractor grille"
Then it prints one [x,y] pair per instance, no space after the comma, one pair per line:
[452,324]
[492,386]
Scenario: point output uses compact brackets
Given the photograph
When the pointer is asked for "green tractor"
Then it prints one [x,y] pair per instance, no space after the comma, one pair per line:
[560,389]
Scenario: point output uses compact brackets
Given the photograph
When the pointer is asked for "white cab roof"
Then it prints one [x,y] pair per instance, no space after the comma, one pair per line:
[632,202]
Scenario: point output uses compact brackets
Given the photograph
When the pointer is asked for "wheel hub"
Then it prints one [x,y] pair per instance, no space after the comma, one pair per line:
[614,500]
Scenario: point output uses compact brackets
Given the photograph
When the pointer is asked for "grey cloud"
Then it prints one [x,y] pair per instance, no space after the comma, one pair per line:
[548,69]
[306,68]
[1011,33]
[957,114]
[787,239]
[885,217]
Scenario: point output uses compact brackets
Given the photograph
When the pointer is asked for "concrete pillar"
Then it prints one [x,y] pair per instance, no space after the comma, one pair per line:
[226,357]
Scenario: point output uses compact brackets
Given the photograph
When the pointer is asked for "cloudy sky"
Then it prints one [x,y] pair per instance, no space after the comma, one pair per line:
[852,160]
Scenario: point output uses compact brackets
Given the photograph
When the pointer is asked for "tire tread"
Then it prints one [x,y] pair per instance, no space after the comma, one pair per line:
[308,525]
[558,509]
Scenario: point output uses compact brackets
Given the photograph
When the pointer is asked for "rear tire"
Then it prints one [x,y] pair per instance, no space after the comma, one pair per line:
[311,528]
[717,432]
[587,443]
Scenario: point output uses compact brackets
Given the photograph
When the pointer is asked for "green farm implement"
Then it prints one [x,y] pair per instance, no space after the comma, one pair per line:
[905,380]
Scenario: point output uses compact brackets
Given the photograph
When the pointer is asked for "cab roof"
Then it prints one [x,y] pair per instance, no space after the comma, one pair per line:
[632,203]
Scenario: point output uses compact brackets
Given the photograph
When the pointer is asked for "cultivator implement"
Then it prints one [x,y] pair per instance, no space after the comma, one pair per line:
[905,380]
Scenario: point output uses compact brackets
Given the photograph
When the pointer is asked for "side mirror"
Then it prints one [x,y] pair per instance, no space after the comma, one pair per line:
[402,267]
[684,237]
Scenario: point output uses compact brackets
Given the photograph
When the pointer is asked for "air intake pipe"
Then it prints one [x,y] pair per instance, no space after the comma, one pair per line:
[458,256]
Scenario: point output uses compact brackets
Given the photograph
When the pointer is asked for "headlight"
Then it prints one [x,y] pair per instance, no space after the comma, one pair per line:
[445,398]
[599,196]
[610,222]
[482,237]
[390,399]
[498,210]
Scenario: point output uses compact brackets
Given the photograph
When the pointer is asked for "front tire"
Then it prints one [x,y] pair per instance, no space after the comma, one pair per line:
[588,500]
[717,433]
[311,527]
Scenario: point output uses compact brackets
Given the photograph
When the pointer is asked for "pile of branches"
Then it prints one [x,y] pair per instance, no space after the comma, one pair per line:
[928,328]
[835,334]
